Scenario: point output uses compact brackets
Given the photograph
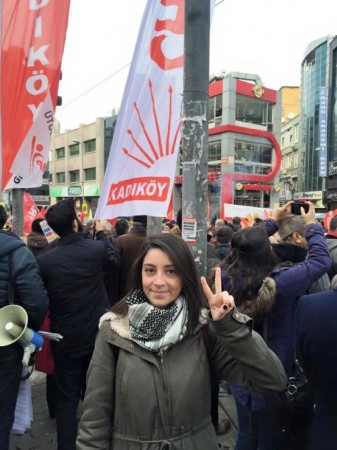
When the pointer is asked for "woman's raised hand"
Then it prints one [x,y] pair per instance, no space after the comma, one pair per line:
[220,303]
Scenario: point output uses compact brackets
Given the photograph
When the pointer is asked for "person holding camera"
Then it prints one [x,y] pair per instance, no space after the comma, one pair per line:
[268,292]
[294,245]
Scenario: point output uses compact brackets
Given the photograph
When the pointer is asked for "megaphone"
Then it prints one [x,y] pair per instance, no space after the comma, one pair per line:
[13,328]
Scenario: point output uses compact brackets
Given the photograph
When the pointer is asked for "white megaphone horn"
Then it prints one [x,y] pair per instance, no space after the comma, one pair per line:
[13,328]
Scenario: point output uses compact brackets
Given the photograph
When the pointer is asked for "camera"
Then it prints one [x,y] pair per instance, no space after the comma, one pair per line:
[296,208]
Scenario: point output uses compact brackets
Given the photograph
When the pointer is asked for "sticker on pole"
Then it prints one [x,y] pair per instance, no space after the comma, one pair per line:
[189,230]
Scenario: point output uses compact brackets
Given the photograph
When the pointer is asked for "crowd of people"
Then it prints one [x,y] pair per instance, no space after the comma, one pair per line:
[146,341]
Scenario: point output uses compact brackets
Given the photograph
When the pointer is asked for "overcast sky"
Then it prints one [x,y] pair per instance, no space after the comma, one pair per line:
[266,37]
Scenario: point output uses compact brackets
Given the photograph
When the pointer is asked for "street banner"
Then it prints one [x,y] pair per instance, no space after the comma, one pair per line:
[32,42]
[140,172]
[245,212]
[30,213]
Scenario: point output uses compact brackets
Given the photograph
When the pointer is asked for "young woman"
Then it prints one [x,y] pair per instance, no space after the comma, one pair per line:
[149,378]
[269,294]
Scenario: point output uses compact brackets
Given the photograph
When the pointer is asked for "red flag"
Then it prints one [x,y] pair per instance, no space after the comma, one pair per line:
[170,211]
[43,212]
[32,43]
[30,212]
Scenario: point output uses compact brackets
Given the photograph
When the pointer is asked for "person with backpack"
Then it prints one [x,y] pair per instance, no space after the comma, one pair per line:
[148,383]
[268,292]
[20,284]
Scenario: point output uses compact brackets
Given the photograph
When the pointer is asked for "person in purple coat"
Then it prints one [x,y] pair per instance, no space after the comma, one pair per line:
[316,335]
[268,292]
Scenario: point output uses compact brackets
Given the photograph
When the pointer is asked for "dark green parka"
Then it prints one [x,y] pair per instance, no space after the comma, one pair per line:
[136,400]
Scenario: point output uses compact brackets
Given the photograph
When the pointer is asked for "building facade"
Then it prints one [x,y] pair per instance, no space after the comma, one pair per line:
[77,164]
[331,192]
[290,159]
[243,147]
[315,98]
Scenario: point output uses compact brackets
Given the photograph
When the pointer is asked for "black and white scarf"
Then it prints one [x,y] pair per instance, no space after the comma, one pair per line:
[154,328]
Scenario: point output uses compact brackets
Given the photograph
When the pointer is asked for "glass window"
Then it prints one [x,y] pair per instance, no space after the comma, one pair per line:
[74,149]
[60,153]
[211,108]
[90,146]
[74,175]
[259,155]
[214,151]
[60,177]
[90,174]
[215,109]
[252,110]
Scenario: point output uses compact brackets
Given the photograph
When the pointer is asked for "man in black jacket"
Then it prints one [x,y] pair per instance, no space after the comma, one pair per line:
[18,266]
[73,275]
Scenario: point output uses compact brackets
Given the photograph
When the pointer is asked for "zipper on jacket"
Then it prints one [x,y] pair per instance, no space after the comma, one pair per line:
[160,356]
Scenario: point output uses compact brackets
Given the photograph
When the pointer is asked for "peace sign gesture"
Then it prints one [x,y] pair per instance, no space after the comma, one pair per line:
[220,303]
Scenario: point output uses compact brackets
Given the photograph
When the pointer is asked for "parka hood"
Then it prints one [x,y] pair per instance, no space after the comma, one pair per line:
[118,324]
[264,301]
[9,242]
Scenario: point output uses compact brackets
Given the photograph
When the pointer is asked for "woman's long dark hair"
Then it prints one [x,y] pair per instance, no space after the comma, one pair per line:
[251,259]
[179,253]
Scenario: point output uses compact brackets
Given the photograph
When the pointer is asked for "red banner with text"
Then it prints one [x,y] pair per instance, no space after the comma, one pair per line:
[32,43]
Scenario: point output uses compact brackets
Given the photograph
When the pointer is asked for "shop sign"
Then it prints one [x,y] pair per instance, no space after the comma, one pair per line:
[315,195]
[74,191]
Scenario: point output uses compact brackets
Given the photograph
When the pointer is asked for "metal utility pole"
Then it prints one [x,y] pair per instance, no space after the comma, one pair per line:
[18,211]
[195,129]
[153,226]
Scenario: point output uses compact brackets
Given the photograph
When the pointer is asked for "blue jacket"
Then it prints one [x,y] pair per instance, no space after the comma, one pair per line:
[291,283]
[316,333]
[28,288]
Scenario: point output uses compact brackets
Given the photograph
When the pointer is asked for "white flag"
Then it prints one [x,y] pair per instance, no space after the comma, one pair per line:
[140,172]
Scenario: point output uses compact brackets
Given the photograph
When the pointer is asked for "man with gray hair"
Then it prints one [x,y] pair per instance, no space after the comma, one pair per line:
[331,240]
[294,247]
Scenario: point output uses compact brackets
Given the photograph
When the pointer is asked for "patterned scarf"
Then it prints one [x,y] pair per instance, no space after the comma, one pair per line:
[153,328]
